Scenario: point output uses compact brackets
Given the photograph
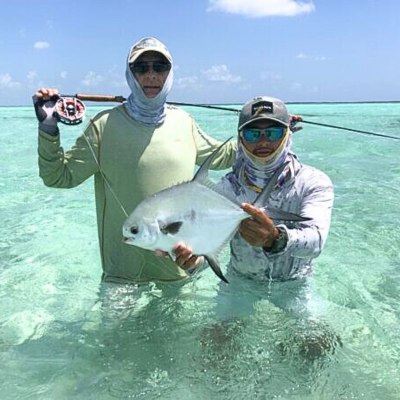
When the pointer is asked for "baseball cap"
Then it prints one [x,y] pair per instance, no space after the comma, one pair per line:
[263,108]
[148,44]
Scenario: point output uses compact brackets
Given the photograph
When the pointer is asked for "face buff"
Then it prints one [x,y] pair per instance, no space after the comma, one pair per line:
[148,111]
[257,171]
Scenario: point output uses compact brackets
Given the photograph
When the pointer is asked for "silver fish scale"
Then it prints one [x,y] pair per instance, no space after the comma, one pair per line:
[209,219]
[196,213]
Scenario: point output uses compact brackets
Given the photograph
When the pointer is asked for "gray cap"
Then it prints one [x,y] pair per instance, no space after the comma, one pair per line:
[263,108]
[148,44]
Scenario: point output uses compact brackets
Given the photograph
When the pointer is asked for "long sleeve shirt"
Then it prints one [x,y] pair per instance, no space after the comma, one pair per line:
[305,191]
[136,161]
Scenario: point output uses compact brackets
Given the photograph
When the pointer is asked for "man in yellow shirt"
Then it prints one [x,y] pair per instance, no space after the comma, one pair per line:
[134,150]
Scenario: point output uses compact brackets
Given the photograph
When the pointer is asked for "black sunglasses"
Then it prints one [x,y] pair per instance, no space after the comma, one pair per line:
[142,67]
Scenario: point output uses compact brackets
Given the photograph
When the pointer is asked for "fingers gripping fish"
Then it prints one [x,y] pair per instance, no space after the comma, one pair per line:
[197,213]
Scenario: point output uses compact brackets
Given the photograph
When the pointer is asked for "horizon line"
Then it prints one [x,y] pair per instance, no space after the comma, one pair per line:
[93,103]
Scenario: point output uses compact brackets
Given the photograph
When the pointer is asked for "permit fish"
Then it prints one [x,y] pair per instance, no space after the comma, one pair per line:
[197,213]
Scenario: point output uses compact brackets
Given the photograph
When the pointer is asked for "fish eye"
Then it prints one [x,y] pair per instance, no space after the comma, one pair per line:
[134,230]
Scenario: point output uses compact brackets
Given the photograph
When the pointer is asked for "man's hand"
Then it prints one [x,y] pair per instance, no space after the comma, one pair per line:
[294,120]
[44,101]
[184,257]
[258,231]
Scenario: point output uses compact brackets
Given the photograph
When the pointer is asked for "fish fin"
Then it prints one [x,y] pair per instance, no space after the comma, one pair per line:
[269,187]
[281,215]
[171,228]
[215,267]
[202,173]
[274,213]
[201,176]
[215,188]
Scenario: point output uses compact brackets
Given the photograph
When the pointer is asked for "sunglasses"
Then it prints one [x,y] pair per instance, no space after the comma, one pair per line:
[143,67]
[272,134]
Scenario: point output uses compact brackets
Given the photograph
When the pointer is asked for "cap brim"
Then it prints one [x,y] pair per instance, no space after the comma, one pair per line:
[138,53]
[263,119]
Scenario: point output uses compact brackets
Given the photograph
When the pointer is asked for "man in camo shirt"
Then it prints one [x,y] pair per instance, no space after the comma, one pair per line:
[261,249]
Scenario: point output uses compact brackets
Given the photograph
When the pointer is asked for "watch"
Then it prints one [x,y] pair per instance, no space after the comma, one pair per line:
[279,243]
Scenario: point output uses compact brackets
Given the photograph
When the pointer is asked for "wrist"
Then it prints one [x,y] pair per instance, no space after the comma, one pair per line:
[279,243]
[50,129]
[198,268]
[270,240]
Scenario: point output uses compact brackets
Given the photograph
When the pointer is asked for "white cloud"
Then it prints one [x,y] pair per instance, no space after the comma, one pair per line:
[317,58]
[221,73]
[41,45]
[118,83]
[32,80]
[92,79]
[31,75]
[115,78]
[262,8]
[63,74]
[184,82]
[7,82]
[270,76]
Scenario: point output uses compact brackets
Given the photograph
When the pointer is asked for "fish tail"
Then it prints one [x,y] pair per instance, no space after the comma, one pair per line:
[215,267]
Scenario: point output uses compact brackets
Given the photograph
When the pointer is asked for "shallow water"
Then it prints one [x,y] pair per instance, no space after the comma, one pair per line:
[65,335]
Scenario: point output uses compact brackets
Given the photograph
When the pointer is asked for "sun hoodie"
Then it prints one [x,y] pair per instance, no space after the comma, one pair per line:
[138,156]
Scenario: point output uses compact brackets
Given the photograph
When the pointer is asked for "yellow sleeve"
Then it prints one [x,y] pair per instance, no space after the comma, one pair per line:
[69,169]
[206,145]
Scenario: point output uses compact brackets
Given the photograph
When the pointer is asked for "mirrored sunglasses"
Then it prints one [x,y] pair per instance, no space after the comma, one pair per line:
[272,134]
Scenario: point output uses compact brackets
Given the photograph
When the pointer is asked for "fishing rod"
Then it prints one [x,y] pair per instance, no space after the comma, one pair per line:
[351,130]
[68,100]
[302,121]
[121,99]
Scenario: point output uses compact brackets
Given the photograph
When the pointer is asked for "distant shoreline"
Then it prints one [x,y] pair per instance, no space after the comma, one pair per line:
[320,102]
[91,103]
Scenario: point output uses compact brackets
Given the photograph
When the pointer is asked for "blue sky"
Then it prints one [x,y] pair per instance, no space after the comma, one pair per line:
[224,51]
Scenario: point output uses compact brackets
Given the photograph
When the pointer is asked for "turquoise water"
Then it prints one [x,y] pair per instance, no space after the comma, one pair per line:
[63,334]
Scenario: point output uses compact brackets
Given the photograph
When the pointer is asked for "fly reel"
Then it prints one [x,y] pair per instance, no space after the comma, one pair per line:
[70,110]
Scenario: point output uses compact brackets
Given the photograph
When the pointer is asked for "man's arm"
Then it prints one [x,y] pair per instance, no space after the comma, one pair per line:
[303,242]
[67,170]
[309,239]
[56,168]
[206,145]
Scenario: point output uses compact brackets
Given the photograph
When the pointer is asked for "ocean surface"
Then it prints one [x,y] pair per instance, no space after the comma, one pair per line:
[64,334]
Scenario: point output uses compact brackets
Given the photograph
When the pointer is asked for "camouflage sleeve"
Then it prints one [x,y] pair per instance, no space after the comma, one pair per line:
[69,169]
[309,239]
[206,145]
